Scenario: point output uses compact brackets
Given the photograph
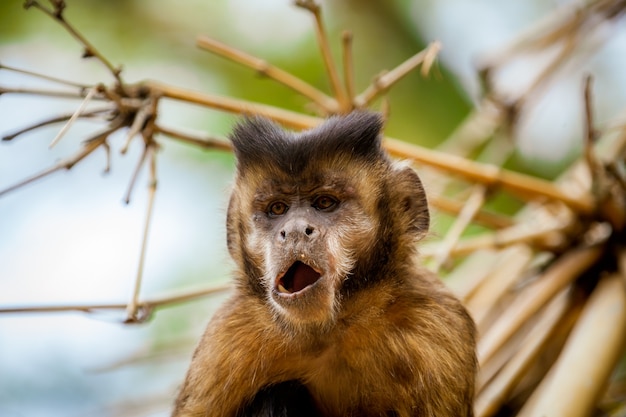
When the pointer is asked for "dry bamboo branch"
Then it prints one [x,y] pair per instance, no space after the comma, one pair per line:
[544,237]
[384,81]
[145,112]
[135,175]
[491,175]
[524,185]
[475,129]
[228,104]
[198,139]
[345,105]
[46,93]
[467,277]
[510,266]
[328,104]
[44,77]
[149,304]
[53,120]
[590,132]
[534,297]
[89,146]
[348,63]
[475,201]
[132,309]
[592,350]
[489,400]
[541,81]
[485,218]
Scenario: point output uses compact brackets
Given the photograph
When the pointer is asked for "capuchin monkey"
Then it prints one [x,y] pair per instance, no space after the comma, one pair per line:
[332,314]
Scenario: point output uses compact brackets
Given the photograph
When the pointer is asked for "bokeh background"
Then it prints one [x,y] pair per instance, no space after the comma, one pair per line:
[69,239]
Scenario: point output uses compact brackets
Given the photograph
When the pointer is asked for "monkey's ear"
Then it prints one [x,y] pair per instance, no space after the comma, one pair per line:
[232,223]
[411,202]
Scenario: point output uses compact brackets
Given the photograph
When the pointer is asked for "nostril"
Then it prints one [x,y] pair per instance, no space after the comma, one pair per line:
[282,234]
[308,231]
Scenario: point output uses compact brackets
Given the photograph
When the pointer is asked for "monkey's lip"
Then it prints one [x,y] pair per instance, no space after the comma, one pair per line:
[298,277]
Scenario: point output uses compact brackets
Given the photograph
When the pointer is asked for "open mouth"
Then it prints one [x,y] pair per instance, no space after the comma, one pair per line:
[298,277]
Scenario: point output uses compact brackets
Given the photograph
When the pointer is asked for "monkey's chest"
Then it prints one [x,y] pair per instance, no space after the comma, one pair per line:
[362,376]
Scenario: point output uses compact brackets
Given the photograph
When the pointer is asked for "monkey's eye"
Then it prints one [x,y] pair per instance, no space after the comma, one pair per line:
[277,208]
[325,203]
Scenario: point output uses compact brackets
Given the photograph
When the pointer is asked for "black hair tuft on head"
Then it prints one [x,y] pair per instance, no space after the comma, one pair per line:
[257,140]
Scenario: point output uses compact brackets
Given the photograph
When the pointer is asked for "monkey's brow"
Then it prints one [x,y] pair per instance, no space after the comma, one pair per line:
[271,188]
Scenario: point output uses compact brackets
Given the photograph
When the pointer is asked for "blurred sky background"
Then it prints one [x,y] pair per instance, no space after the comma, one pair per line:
[69,239]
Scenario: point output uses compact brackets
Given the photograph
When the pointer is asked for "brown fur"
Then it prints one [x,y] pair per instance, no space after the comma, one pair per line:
[376,335]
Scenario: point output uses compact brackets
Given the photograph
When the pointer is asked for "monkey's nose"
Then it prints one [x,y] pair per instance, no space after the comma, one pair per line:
[297,229]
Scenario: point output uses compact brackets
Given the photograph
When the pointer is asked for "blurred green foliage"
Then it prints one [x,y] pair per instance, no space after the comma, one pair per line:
[131,32]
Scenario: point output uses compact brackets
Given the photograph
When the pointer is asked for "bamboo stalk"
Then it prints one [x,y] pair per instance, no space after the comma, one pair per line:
[491,397]
[546,237]
[592,350]
[534,297]
[485,218]
[467,277]
[509,267]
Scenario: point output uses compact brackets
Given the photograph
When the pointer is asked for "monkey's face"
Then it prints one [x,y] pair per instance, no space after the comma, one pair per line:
[307,231]
[317,214]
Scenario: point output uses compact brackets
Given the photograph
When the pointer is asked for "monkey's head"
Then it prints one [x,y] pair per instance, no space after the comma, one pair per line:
[317,215]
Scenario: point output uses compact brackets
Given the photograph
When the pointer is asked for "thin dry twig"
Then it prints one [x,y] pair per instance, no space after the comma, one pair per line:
[90,51]
[474,203]
[345,105]
[89,146]
[57,119]
[148,305]
[482,217]
[327,104]
[44,76]
[42,92]
[386,80]
[546,237]
[133,306]
[146,111]
[90,94]
[348,63]
[590,132]
[197,138]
